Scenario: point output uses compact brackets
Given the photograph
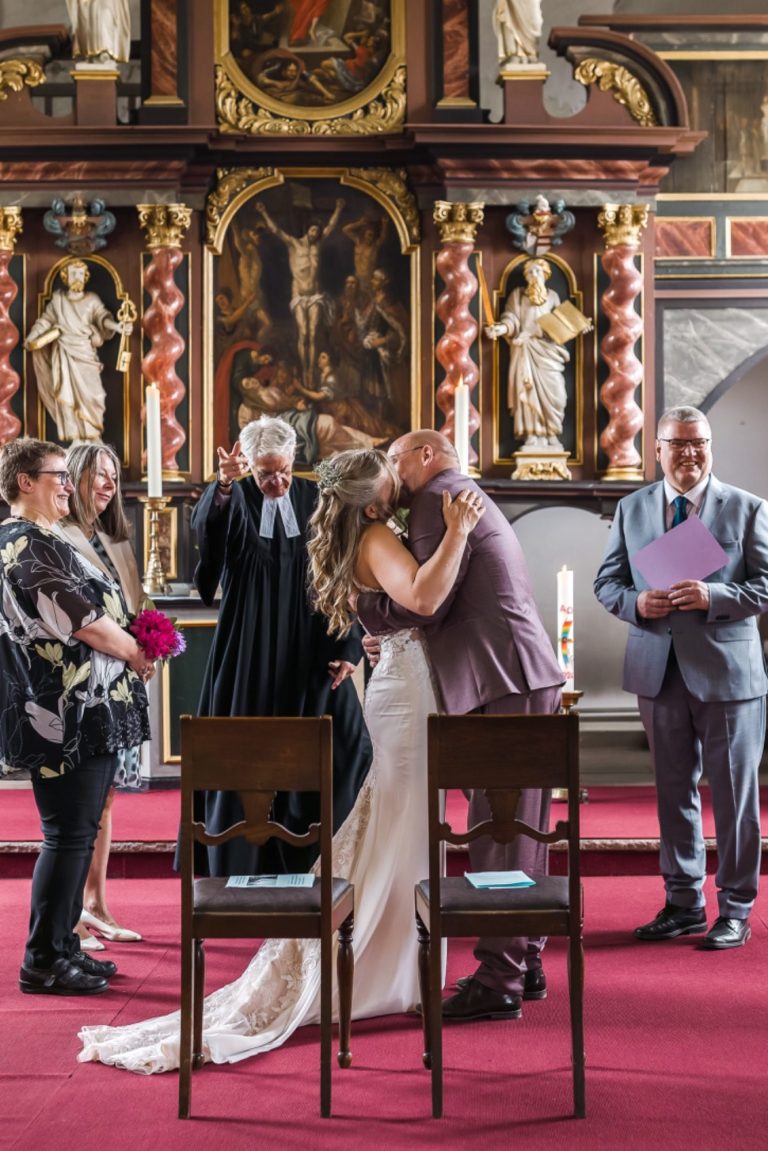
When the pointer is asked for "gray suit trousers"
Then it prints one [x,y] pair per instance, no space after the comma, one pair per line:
[504,962]
[725,741]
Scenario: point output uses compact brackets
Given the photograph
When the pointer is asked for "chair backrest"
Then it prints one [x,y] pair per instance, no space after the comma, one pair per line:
[256,757]
[502,754]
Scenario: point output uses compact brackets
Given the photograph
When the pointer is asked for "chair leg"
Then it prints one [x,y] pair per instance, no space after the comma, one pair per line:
[326,1027]
[436,1023]
[197,1004]
[345,974]
[576,993]
[185,1037]
[423,935]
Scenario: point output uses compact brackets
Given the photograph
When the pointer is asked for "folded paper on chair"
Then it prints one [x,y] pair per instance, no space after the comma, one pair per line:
[303,880]
[482,879]
[689,551]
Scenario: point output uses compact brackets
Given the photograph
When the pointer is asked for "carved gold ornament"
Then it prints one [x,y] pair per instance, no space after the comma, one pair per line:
[238,113]
[229,183]
[536,468]
[10,227]
[14,74]
[623,224]
[392,184]
[624,85]
[165,224]
[458,223]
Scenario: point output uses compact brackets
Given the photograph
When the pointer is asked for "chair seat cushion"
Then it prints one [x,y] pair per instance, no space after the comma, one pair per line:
[213,895]
[549,893]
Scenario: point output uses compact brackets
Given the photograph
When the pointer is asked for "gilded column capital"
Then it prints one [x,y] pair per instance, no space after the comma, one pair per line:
[622,224]
[10,226]
[165,224]
[458,223]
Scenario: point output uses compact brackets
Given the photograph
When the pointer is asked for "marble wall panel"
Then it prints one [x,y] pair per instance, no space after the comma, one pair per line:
[747,236]
[455,49]
[164,48]
[703,346]
[685,236]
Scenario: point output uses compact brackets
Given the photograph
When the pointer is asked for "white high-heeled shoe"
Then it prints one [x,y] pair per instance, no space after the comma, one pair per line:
[110,931]
[91,943]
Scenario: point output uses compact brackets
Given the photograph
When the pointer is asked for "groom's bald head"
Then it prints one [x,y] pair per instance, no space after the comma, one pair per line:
[418,456]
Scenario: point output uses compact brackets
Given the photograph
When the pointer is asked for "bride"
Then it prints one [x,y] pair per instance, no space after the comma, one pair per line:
[382,845]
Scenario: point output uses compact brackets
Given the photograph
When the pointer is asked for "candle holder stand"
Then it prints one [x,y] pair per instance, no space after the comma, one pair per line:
[570,701]
[154,577]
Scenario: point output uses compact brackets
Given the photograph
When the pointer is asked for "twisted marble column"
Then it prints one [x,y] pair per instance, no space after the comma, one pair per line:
[457,224]
[10,226]
[166,225]
[622,225]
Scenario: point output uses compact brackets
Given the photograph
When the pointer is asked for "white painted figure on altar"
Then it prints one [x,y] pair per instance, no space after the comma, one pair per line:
[518,25]
[101,29]
[536,393]
[63,342]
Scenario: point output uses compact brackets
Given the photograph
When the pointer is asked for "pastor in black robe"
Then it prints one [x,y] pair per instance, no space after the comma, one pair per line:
[270,656]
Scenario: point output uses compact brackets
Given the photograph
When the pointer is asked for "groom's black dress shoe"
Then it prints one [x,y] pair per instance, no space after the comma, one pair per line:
[672,921]
[62,978]
[478,1002]
[725,933]
[104,967]
[534,987]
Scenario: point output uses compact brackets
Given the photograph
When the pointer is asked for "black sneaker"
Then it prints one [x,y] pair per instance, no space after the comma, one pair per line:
[62,978]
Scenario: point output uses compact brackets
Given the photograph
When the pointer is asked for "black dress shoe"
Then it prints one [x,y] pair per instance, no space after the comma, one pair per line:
[62,978]
[478,1002]
[672,921]
[534,987]
[725,933]
[104,967]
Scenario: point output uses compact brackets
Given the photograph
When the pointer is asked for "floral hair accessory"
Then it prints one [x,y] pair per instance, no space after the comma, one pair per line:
[328,475]
[156,635]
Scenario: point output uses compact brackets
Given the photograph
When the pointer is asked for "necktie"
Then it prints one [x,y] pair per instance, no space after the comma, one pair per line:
[680,504]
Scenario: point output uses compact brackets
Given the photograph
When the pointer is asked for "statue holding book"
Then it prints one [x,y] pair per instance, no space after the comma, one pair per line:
[537,326]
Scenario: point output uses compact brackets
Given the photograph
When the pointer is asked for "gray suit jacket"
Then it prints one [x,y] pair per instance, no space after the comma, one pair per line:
[719,652]
[487,640]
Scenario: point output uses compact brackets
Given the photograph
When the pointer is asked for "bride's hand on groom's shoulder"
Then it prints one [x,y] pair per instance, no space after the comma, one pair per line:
[463,512]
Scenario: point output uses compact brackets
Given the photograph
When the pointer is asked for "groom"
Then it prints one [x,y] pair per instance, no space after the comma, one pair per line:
[490,654]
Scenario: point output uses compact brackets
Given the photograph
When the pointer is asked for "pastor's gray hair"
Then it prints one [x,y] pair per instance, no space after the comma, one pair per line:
[683,415]
[267,437]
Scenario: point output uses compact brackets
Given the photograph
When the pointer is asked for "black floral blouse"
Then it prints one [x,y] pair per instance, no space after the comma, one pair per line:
[61,701]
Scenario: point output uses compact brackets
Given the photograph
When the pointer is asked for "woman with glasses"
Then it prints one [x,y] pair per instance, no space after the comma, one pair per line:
[271,653]
[71,695]
[98,528]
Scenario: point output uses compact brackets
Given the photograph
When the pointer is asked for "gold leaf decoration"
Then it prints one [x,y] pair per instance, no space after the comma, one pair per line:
[229,183]
[14,74]
[625,86]
[165,224]
[458,222]
[392,183]
[384,114]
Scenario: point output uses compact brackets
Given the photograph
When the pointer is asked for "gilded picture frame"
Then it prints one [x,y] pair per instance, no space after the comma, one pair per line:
[563,281]
[311,307]
[310,67]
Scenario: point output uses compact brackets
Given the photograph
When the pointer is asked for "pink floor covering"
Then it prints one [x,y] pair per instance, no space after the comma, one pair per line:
[676,1047]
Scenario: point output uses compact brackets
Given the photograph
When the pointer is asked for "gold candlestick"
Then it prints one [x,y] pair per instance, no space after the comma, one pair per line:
[154,577]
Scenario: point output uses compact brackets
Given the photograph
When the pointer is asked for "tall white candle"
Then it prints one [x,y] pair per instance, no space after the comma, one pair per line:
[461,424]
[565,626]
[154,442]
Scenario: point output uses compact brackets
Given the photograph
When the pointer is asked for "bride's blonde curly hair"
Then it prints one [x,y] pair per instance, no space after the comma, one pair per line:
[347,483]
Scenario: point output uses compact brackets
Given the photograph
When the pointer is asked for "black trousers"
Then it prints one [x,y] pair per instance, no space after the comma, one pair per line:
[70,808]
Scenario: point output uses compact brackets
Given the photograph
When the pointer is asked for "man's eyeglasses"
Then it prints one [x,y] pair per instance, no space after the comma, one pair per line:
[392,457]
[64,478]
[681,445]
[263,477]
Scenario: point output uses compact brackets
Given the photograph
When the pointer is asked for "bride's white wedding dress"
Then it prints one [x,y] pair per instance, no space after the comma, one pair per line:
[381,848]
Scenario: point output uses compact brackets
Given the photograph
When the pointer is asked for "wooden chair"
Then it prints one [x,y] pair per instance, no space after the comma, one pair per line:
[500,754]
[257,757]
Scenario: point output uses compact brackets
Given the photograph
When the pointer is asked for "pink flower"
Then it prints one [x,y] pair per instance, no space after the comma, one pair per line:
[156,635]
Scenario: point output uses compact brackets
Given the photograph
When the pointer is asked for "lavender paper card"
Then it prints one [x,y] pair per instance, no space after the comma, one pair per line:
[689,551]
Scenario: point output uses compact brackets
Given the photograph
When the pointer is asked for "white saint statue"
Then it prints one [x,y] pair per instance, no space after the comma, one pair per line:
[101,29]
[518,25]
[63,342]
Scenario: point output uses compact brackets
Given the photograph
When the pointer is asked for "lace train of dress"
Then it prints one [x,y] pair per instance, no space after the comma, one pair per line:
[381,848]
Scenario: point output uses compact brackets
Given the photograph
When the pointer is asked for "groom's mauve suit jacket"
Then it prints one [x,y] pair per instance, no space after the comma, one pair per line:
[487,640]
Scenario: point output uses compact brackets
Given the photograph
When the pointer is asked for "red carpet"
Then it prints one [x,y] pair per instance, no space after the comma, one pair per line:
[676,1050]
[152,816]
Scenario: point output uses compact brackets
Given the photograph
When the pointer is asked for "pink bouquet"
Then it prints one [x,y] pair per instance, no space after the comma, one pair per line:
[156,635]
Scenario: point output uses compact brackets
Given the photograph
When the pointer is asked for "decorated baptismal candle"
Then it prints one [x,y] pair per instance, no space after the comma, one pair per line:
[565,626]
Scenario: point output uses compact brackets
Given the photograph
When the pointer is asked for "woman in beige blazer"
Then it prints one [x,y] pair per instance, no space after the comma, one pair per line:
[98,528]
